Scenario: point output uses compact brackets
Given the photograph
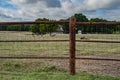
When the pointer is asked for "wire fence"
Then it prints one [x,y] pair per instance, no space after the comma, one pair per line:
[90,39]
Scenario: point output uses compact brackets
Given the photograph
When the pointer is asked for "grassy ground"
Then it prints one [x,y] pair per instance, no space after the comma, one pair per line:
[38,70]
[7,35]
[42,69]
[57,48]
[54,76]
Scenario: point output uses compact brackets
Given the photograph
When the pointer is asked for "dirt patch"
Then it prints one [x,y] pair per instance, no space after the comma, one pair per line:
[111,68]
[99,67]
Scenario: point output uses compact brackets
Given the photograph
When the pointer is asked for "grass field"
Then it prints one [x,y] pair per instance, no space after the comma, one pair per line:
[55,76]
[40,70]
[56,48]
[45,69]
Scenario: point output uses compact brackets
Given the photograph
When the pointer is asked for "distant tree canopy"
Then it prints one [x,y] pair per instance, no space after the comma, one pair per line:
[80,18]
[98,20]
[92,29]
[43,28]
[103,29]
[16,27]
[50,28]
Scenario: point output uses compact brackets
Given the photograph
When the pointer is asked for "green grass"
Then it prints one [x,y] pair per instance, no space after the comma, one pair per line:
[54,76]
[42,69]
[55,48]
[10,35]
[33,49]
[28,66]
[38,70]
[97,48]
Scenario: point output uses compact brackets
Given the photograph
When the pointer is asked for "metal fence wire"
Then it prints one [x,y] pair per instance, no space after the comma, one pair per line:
[87,42]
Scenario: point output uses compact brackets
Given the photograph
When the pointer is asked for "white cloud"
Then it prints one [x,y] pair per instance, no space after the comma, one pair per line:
[104,4]
[48,3]
[57,9]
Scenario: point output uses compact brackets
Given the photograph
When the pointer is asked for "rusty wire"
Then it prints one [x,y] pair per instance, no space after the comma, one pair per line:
[42,57]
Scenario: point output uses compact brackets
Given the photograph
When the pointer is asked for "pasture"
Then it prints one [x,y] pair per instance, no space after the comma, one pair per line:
[56,48]
[57,69]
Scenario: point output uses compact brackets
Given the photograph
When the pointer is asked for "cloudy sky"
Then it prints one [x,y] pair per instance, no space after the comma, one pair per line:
[29,10]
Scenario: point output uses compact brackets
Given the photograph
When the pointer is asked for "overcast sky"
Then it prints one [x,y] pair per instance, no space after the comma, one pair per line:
[29,10]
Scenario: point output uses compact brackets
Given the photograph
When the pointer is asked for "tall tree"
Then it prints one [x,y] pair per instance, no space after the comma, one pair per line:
[80,18]
[65,27]
[43,28]
[98,20]
[100,28]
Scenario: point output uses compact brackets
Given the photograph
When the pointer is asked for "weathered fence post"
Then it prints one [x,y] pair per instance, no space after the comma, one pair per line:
[72,31]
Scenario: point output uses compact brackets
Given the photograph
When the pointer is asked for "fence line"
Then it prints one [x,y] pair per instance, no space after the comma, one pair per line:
[84,40]
[62,22]
[37,22]
[72,23]
[98,23]
[40,57]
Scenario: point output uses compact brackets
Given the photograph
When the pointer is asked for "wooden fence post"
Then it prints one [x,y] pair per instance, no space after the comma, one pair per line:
[72,24]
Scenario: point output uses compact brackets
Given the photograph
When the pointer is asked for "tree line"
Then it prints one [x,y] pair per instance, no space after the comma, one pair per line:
[92,29]
[15,27]
[50,28]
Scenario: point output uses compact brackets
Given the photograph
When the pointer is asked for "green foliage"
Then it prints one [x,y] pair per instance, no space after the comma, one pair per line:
[34,70]
[35,28]
[50,28]
[98,20]
[116,32]
[116,29]
[43,28]
[80,18]
[54,76]
[52,69]
[92,29]
[15,27]
[65,27]
[104,29]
